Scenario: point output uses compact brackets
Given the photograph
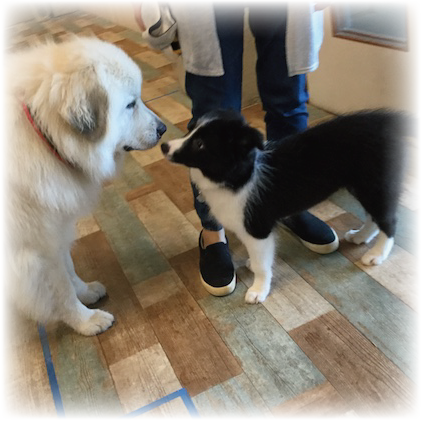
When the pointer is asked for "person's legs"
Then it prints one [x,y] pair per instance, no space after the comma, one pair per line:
[284,100]
[210,93]
[207,94]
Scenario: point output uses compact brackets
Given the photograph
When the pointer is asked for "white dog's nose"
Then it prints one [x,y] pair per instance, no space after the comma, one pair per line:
[162,128]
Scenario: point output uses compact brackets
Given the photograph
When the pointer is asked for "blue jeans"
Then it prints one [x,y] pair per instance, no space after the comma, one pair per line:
[284,98]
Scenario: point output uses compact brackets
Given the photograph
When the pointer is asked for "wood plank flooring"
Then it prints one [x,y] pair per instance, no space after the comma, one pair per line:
[333,337]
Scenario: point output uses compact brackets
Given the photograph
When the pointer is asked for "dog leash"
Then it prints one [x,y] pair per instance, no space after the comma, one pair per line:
[43,137]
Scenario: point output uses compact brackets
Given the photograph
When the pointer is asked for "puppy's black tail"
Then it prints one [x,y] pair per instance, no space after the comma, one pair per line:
[402,123]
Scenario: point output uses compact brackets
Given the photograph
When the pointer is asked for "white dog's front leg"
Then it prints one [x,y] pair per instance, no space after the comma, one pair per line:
[88,293]
[261,254]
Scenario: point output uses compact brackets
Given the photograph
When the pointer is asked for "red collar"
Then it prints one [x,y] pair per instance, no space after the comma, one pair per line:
[44,137]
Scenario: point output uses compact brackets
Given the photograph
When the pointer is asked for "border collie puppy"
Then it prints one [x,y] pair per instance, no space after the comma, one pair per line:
[249,184]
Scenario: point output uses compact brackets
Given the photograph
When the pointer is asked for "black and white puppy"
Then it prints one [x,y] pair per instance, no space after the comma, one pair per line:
[250,184]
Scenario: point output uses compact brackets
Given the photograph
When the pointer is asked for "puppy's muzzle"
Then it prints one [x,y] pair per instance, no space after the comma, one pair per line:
[165,148]
[172,147]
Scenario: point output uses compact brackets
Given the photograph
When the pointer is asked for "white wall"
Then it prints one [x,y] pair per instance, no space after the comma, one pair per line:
[353,75]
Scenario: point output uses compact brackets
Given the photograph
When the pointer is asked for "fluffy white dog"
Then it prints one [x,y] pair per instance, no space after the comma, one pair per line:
[73,110]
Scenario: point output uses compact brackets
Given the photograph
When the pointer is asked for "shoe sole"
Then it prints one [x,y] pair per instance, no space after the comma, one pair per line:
[318,248]
[220,291]
[322,248]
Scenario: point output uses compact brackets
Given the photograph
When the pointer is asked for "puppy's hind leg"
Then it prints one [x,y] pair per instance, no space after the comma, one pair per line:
[261,253]
[365,234]
[88,293]
[384,243]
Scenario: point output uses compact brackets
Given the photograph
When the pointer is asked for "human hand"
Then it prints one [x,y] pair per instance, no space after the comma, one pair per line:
[138,16]
[322,4]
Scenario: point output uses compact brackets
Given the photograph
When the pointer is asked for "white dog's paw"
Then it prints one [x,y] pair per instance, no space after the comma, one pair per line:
[97,323]
[354,236]
[372,259]
[255,296]
[94,292]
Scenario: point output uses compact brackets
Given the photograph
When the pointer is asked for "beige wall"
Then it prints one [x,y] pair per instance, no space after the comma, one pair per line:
[14,12]
[17,11]
[121,14]
[353,75]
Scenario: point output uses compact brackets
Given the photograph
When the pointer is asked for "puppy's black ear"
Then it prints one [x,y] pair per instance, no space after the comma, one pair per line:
[250,138]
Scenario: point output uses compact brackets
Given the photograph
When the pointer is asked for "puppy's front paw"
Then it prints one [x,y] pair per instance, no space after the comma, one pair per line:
[94,292]
[255,296]
[97,323]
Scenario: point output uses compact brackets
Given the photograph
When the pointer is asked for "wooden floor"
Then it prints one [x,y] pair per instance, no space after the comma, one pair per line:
[334,337]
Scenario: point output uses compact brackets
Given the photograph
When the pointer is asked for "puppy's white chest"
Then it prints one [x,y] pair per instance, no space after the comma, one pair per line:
[225,205]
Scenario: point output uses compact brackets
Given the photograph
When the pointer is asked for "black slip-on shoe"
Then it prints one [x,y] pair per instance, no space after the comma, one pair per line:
[216,268]
[315,234]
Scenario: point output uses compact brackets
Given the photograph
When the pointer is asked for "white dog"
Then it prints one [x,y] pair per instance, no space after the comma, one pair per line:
[73,111]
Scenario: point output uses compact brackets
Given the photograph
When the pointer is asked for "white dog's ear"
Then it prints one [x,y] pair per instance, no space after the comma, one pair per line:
[82,102]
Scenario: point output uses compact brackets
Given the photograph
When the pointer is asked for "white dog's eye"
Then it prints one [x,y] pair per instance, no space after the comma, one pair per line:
[199,144]
[131,105]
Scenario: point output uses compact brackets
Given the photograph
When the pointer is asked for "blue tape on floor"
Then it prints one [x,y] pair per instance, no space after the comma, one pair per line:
[150,406]
[58,402]
[182,393]
[188,402]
